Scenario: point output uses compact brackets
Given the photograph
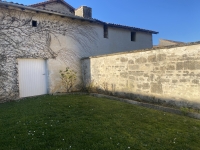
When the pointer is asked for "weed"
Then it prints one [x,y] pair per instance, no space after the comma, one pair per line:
[90,87]
[184,110]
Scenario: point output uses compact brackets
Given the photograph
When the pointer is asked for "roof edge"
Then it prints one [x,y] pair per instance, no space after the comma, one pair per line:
[126,27]
[44,11]
[47,2]
[171,41]
[144,50]
[6,4]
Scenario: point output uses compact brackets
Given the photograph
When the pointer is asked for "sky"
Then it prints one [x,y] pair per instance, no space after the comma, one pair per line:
[177,20]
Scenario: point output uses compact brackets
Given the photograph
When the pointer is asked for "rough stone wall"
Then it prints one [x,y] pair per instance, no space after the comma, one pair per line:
[18,39]
[167,75]
[57,7]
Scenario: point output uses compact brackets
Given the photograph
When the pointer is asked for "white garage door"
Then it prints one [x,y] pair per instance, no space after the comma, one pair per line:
[32,77]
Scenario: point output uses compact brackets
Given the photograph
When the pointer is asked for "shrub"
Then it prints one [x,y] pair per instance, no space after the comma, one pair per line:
[90,87]
[68,78]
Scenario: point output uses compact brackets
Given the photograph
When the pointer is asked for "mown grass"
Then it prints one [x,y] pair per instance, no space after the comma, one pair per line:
[83,122]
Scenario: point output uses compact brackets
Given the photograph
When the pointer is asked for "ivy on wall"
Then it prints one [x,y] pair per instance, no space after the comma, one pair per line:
[19,39]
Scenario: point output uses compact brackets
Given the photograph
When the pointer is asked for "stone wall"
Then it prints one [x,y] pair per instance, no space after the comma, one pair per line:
[62,42]
[58,7]
[168,75]
[49,40]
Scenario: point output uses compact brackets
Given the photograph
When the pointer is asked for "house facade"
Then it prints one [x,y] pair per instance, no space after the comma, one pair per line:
[39,40]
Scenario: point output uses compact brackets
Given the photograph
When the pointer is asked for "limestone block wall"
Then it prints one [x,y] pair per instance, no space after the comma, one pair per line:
[168,74]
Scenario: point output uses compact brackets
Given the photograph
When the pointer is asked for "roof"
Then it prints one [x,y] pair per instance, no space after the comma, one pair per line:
[126,27]
[147,49]
[165,42]
[43,10]
[171,41]
[52,1]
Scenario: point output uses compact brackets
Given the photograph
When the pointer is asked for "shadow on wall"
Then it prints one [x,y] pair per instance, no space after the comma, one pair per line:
[86,72]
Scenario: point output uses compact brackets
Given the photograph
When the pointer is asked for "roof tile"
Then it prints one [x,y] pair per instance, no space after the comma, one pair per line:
[77,17]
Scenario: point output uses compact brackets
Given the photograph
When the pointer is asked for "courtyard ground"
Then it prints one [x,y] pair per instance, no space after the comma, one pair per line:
[85,122]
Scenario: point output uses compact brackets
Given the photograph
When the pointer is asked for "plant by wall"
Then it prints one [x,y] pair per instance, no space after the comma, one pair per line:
[68,77]
[90,87]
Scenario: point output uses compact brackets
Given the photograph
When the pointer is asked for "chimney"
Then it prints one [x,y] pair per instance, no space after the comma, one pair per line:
[84,11]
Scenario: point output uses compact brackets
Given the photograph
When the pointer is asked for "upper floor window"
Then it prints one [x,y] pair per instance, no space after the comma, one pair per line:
[34,23]
[105,29]
[133,36]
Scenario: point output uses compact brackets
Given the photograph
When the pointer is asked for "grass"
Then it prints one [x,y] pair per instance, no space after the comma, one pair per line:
[83,122]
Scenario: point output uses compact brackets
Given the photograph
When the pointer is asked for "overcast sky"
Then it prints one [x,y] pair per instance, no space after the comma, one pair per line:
[177,20]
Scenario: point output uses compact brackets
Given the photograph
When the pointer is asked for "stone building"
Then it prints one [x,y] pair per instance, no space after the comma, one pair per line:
[39,40]
[164,42]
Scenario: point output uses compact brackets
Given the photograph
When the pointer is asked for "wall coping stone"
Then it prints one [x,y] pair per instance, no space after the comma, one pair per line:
[144,50]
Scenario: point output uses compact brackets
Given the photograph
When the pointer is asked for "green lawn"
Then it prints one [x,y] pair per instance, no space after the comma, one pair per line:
[84,122]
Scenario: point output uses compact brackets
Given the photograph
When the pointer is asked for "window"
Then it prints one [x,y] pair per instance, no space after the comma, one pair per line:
[133,36]
[105,29]
[34,23]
